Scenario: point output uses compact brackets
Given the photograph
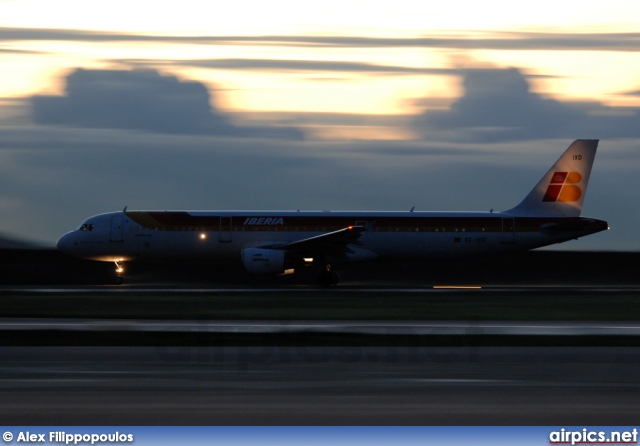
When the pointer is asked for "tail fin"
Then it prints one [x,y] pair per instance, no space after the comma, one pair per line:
[561,191]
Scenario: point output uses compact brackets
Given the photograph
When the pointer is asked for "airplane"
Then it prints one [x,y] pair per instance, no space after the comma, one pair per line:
[281,242]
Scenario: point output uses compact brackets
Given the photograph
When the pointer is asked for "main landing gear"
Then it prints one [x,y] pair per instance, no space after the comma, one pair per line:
[328,277]
[119,274]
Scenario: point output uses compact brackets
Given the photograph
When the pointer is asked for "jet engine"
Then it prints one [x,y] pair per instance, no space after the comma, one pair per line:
[269,261]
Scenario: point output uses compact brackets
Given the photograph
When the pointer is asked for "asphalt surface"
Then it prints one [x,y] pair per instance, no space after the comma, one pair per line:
[310,386]
[112,370]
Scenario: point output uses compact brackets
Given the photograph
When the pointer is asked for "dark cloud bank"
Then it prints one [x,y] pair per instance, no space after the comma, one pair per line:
[497,105]
[141,100]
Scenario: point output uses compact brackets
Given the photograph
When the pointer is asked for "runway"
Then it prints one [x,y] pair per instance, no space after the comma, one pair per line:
[328,386]
[290,304]
[140,355]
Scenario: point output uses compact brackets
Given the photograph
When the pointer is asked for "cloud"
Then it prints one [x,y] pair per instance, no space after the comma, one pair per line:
[507,40]
[631,93]
[140,100]
[12,51]
[498,105]
[303,65]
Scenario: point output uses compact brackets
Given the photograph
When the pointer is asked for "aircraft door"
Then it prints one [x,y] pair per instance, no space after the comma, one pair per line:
[116,228]
[508,230]
[224,235]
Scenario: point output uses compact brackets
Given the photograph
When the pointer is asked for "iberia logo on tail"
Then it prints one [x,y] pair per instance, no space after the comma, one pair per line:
[562,187]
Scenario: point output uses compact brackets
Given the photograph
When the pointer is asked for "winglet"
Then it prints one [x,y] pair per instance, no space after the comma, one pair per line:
[562,190]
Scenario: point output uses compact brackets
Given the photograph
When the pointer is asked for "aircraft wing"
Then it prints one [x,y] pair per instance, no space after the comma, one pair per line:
[332,243]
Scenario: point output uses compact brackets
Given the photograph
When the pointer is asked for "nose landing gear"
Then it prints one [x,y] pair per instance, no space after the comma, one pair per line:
[119,274]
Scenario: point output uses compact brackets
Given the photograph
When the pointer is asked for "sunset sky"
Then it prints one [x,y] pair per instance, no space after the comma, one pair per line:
[349,56]
[172,104]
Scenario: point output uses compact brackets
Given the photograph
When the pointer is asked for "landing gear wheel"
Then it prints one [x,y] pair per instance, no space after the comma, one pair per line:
[328,278]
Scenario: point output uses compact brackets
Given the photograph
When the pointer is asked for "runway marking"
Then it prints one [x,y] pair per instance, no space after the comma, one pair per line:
[312,290]
[388,328]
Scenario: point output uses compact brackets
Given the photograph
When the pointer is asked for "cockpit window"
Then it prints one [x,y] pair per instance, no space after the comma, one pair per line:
[86,227]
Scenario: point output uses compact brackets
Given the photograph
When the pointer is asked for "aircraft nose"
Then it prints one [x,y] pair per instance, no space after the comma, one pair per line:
[66,243]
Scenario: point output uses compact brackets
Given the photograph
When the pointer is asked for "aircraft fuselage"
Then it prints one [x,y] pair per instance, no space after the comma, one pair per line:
[133,235]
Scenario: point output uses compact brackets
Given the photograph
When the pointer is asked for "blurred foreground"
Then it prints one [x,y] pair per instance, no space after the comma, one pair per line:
[328,386]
